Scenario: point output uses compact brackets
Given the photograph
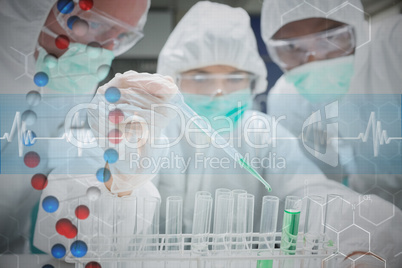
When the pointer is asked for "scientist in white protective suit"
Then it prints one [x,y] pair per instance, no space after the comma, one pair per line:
[213,56]
[36,39]
[329,53]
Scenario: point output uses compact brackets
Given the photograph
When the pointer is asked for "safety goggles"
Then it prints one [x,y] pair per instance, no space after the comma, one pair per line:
[215,84]
[293,52]
[95,26]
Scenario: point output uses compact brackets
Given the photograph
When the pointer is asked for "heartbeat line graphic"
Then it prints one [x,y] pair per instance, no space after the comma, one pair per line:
[20,128]
[380,136]
[81,135]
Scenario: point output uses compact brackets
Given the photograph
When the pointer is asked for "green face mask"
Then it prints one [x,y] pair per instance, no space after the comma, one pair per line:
[223,111]
[323,80]
[78,70]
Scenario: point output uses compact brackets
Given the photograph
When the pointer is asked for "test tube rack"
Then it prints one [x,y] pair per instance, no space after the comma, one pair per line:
[235,250]
[118,248]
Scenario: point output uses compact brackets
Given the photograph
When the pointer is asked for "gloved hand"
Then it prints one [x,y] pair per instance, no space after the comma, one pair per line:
[134,136]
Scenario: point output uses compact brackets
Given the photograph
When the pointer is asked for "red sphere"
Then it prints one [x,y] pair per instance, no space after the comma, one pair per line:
[82,212]
[62,42]
[39,181]
[115,136]
[93,264]
[31,159]
[86,4]
[63,226]
[116,116]
[72,232]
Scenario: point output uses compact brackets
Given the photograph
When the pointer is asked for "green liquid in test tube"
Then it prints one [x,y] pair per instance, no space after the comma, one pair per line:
[290,227]
[290,230]
[265,264]
[178,100]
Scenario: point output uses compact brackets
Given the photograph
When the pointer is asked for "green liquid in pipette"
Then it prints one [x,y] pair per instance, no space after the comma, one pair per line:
[290,229]
[244,164]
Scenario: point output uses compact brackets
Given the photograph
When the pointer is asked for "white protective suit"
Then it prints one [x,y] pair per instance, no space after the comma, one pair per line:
[20,24]
[378,60]
[201,39]
[186,169]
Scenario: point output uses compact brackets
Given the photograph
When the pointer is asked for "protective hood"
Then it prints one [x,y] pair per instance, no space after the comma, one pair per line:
[21,22]
[20,25]
[213,34]
[277,13]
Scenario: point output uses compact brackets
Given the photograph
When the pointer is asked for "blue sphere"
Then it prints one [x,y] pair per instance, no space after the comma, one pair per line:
[41,79]
[110,156]
[28,138]
[79,249]
[112,94]
[71,20]
[50,204]
[47,266]
[65,6]
[103,174]
[58,251]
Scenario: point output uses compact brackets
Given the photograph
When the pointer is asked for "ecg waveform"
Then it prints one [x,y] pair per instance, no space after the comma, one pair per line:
[81,135]
[20,128]
[85,136]
[380,136]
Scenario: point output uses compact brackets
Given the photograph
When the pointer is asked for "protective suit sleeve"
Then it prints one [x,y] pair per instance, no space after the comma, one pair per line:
[107,212]
[143,105]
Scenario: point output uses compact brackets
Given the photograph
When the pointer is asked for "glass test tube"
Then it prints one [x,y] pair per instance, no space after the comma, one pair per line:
[174,219]
[125,210]
[236,219]
[102,224]
[290,227]
[219,192]
[268,224]
[201,221]
[245,214]
[332,224]
[244,227]
[223,217]
[313,230]
[313,227]
[237,216]
[151,210]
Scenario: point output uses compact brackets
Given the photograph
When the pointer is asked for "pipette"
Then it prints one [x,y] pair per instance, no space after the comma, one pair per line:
[204,125]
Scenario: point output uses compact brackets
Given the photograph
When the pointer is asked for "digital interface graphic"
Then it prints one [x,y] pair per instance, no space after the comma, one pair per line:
[82,215]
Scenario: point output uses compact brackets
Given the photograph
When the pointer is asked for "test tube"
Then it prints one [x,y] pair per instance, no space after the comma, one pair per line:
[313,230]
[103,223]
[125,210]
[218,192]
[268,224]
[245,214]
[150,222]
[222,226]
[333,212]
[236,219]
[237,216]
[201,221]
[290,227]
[222,219]
[174,219]
[313,227]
